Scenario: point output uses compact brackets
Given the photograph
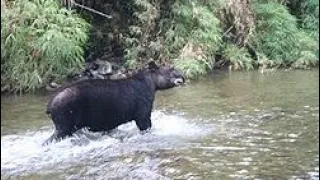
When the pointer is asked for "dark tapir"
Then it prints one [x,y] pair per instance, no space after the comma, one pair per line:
[102,105]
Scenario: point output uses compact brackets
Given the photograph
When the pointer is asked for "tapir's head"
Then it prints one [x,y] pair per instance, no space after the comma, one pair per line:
[165,77]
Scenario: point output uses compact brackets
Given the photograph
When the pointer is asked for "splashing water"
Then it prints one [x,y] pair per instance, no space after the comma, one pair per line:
[23,153]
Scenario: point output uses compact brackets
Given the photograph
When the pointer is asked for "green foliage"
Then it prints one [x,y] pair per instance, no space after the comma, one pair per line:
[310,16]
[278,37]
[168,37]
[238,57]
[141,42]
[306,60]
[196,35]
[307,12]
[189,33]
[238,22]
[39,40]
[192,68]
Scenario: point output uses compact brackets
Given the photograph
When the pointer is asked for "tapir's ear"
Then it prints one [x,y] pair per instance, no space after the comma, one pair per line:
[153,66]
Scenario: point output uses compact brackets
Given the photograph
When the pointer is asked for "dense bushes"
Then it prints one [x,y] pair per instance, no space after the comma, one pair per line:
[39,40]
[280,39]
[187,36]
[200,35]
[196,36]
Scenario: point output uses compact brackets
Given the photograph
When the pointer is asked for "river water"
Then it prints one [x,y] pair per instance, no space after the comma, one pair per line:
[238,125]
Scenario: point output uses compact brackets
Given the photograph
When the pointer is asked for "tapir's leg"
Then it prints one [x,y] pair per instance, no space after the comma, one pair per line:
[143,118]
[64,127]
[58,135]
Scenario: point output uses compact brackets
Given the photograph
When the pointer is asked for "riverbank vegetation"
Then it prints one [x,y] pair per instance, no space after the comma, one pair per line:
[41,40]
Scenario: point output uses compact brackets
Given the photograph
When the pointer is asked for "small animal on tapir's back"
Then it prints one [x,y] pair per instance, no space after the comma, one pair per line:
[102,105]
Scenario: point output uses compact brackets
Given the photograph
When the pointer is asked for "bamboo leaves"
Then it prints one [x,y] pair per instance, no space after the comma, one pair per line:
[40,39]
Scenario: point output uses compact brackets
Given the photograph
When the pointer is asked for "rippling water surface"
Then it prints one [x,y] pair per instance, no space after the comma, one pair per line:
[239,125]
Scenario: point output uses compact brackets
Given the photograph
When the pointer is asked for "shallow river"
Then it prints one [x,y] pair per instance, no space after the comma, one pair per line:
[239,125]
